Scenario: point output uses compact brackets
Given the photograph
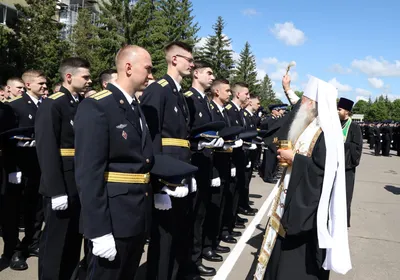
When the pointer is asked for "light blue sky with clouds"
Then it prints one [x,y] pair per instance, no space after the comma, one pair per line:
[353,44]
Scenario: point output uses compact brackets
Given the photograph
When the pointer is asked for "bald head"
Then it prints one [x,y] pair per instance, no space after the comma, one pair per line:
[134,67]
[129,54]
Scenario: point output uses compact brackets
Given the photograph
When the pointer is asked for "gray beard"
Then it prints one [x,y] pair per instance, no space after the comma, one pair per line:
[302,119]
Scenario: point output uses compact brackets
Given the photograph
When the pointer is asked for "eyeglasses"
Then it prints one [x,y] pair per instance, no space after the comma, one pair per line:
[190,60]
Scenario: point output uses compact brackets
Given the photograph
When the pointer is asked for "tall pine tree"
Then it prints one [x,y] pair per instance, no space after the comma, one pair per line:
[267,93]
[86,44]
[246,70]
[41,46]
[217,51]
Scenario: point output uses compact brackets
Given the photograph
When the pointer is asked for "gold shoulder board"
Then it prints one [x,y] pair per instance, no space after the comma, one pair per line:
[98,93]
[14,98]
[228,107]
[103,94]
[56,95]
[212,106]
[163,82]
[188,93]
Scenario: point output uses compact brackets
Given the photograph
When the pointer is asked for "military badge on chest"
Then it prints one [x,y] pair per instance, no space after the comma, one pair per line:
[176,110]
[200,114]
[124,135]
[72,122]
[30,116]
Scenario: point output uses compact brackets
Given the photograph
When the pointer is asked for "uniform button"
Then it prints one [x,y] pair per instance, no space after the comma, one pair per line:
[147,194]
[147,161]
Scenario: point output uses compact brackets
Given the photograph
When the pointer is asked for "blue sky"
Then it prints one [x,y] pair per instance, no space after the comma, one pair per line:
[354,44]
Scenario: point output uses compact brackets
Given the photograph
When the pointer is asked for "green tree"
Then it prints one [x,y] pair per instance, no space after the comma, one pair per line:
[267,93]
[218,52]
[10,57]
[41,46]
[361,107]
[377,111]
[395,112]
[86,44]
[246,70]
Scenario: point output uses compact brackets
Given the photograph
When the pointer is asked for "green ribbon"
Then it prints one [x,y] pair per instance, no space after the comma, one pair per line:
[345,129]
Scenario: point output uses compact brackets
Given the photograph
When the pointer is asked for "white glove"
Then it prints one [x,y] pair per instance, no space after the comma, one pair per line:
[33,143]
[59,202]
[233,172]
[194,185]
[248,165]
[252,147]
[162,201]
[203,144]
[15,178]
[220,143]
[23,143]
[178,192]
[216,182]
[237,144]
[104,247]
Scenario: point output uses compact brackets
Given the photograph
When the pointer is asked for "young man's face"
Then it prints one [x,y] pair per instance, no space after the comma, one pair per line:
[80,80]
[37,86]
[15,88]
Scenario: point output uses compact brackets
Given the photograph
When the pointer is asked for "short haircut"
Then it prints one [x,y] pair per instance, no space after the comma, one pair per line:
[216,83]
[178,44]
[106,75]
[14,79]
[31,74]
[239,84]
[2,87]
[253,96]
[71,64]
[198,64]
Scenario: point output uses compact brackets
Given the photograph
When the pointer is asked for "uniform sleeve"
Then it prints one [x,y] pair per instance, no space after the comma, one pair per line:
[91,157]
[8,121]
[47,134]
[152,105]
[305,189]
[353,147]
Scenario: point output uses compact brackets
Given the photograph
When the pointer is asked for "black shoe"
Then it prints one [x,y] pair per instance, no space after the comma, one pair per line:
[206,271]
[18,262]
[245,212]
[211,256]
[33,252]
[222,249]
[239,226]
[229,239]
[236,233]
[241,220]
[4,262]
[254,210]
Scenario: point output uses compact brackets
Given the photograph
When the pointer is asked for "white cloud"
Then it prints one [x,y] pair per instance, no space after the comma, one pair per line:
[358,98]
[340,87]
[363,92]
[250,12]
[261,74]
[270,60]
[375,82]
[337,68]
[288,33]
[203,40]
[201,43]
[393,97]
[277,69]
[377,67]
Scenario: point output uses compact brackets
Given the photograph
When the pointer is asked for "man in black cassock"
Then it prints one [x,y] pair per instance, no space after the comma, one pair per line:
[353,142]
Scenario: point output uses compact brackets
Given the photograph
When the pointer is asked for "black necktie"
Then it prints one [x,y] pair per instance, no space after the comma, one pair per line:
[226,116]
[243,118]
[207,102]
[136,112]
[39,103]
[182,104]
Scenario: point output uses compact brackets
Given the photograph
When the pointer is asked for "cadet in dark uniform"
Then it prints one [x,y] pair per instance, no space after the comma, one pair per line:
[386,132]
[114,156]
[235,112]
[206,216]
[378,139]
[223,165]
[25,194]
[353,142]
[60,243]
[167,116]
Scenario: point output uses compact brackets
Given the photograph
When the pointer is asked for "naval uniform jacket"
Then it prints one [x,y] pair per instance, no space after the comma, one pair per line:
[54,130]
[110,139]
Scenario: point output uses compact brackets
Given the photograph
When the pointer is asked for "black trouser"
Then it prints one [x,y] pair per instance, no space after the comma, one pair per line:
[60,244]
[244,196]
[125,265]
[239,160]
[215,209]
[378,147]
[386,148]
[168,248]
[14,197]
[350,179]
[371,142]
[270,162]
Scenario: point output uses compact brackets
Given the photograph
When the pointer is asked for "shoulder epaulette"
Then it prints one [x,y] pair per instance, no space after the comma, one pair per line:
[212,106]
[14,98]
[163,82]
[103,94]
[56,95]
[228,107]
[188,93]
[99,93]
